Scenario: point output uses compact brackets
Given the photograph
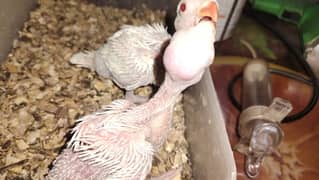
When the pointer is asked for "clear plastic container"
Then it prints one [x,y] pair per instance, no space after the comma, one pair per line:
[259,129]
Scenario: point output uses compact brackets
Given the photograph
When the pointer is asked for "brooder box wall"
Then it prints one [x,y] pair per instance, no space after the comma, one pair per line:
[211,154]
[13,13]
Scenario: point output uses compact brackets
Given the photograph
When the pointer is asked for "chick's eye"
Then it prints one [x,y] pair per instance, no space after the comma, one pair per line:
[182,7]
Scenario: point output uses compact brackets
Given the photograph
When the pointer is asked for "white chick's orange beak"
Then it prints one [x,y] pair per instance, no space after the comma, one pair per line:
[209,10]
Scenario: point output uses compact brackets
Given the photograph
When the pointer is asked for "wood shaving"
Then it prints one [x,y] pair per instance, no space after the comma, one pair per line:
[42,94]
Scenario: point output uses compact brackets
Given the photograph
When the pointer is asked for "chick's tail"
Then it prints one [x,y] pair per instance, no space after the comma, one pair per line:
[84,59]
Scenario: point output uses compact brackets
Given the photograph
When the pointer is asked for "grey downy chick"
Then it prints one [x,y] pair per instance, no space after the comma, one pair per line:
[131,58]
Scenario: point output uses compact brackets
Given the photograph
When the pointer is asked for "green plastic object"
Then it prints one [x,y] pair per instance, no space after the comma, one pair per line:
[303,13]
[309,25]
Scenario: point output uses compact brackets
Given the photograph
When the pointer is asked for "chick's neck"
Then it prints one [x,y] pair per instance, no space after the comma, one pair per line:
[163,100]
